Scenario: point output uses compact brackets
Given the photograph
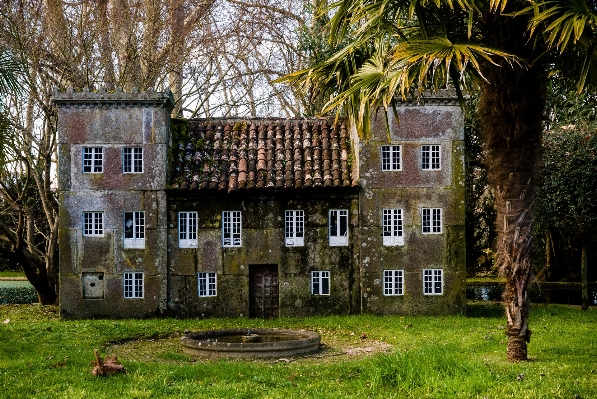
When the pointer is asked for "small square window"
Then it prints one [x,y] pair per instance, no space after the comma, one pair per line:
[433,281]
[231,229]
[93,160]
[338,228]
[320,283]
[133,284]
[392,227]
[390,157]
[207,284]
[431,220]
[93,224]
[187,229]
[430,157]
[132,160]
[134,229]
[393,282]
[294,228]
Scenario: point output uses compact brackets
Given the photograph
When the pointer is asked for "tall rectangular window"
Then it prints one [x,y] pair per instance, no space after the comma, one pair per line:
[187,229]
[431,220]
[430,157]
[393,282]
[132,160]
[134,229]
[390,157]
[207,284]
[231,229]
[133,284]
[93,224]
[93,160]
[294,228]
[320,283]
[392,227]
[338,227]
[433,281]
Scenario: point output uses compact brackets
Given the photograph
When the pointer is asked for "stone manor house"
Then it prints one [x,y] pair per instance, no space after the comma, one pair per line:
[257,217]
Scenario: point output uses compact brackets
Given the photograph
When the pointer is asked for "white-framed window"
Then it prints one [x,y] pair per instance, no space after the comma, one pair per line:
[391,157]
[431,220]
[320,282]
[393,282]
[187,229]
[433,281]
[134,229]
[93,160]
[392,227]
[338,227]
[231,229]
[294,228]
[133,284]
[431,157]
[132,160]
[93,224]
[207,284]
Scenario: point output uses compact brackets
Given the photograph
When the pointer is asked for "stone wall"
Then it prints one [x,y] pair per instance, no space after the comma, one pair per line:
[263,243]
[91,268]
[412,189]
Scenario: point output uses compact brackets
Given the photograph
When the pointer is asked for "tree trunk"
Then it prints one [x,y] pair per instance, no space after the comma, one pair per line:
[583,273]
[511,111]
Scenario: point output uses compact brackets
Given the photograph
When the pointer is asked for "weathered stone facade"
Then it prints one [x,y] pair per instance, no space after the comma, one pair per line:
[260,169]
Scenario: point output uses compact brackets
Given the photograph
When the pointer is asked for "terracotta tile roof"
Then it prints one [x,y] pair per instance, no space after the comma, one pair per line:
[265,153]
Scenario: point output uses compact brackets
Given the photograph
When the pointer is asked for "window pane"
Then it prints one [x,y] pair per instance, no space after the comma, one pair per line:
[128,225]
[334,223]
[343,223]
[325,285]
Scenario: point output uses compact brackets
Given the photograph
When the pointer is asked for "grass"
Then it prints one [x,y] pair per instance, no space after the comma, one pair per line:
[402,357]
[11,274]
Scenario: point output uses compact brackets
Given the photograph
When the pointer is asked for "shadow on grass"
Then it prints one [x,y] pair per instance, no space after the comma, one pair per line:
[478,309]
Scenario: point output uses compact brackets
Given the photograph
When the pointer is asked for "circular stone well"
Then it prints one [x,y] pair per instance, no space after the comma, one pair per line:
[253,342]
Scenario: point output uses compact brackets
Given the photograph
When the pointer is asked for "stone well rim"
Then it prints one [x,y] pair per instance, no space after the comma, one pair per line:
[307,342]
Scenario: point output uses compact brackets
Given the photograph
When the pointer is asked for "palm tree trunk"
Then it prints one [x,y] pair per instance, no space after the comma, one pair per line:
[511,111]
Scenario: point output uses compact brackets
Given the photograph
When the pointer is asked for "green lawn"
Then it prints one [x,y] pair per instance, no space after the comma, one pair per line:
[402,357]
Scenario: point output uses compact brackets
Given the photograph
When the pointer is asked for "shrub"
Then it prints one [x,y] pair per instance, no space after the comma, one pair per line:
[12,292]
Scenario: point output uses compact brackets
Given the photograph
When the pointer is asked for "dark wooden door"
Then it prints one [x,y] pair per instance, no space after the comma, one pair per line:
[263,291]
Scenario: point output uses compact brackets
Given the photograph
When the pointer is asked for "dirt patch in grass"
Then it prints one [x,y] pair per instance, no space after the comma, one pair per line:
[169,350]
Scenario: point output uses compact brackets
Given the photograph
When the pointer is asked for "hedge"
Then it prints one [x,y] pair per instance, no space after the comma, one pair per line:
[12,292]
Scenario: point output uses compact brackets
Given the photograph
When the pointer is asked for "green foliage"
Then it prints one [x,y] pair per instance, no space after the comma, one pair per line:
[566,198]
[15,292]
[479,212]
[429,357]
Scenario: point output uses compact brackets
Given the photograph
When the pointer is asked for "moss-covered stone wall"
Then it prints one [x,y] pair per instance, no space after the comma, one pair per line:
[263,243]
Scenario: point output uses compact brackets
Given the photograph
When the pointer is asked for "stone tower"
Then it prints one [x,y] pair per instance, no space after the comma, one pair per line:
[112,173]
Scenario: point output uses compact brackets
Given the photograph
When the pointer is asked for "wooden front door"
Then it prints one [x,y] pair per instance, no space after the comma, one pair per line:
[263,291]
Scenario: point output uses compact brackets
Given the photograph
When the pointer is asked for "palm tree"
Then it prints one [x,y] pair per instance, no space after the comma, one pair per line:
[504,49]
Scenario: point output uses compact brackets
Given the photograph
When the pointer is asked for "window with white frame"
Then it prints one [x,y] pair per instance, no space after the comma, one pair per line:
[133,284]
[430,157]
[320,282]
[93,160]
[431,220]
[207,284]
[393,282]
[134,229]
[433,281]
[390,157]
[93,224]
[231,229]
[392,227]
[132,160]
[294,228]
[338,227]
[187,229]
